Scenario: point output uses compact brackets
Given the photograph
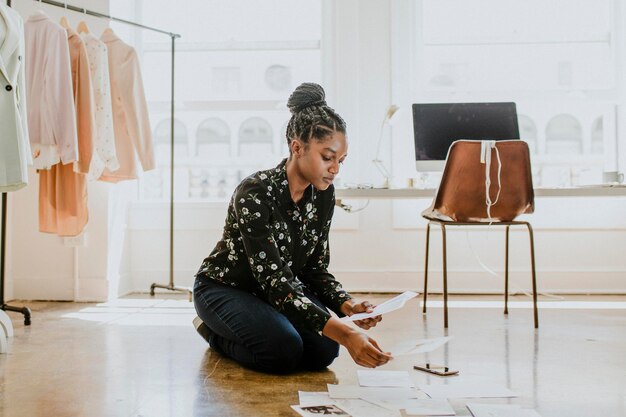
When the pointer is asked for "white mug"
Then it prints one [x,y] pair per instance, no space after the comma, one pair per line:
[612,177]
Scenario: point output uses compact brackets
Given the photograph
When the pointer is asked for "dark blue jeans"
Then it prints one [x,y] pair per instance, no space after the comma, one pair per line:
[253,333]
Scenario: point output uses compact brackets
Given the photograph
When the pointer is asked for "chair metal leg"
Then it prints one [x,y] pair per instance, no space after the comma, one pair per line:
[506,271]
[445,278]
[534,275]
[426,267]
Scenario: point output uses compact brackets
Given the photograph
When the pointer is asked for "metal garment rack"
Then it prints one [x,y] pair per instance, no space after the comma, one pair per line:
[170,286]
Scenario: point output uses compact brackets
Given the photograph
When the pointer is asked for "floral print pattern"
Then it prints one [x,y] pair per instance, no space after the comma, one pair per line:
[273,248]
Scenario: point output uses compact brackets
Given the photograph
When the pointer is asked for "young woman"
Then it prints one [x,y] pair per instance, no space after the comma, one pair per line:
[263,293]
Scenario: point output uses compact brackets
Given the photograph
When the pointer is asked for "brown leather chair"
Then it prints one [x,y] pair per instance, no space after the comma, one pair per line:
[462,200]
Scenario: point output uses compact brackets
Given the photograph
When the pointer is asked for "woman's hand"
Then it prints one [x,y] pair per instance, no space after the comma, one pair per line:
[351,307]
[365,351]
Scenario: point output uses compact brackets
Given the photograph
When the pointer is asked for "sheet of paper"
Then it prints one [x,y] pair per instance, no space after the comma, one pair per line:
[421,346]
[369,378]
[475,390]
[500,410]
[414,406]
[362,408]
[313,398]
[318,410]
[386,307]
[430,408]
[355,391]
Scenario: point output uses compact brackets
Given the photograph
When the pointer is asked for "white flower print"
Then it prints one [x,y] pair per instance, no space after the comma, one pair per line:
[274,267]
[281,236]
[242,200]
[283,279]
[244,210]
[262,255]
[259,268]
[257,214]
[309,206]
[297,303]
[263,176]
[269,188]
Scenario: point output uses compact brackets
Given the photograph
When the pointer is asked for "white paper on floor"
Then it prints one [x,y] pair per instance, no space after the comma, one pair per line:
[362,408]
[313,398]
[500,410]
[421,346]
[415,406]
[466,390]
[368,378]
[386,307]
[355,391]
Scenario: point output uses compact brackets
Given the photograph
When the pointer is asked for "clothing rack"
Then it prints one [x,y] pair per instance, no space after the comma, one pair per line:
[24,310]
[170,286]
[173,36]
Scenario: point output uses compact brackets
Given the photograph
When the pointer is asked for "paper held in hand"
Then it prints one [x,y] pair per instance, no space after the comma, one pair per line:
[386,307]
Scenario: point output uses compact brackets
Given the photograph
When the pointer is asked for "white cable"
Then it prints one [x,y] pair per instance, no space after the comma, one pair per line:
[485,158]
[356,210]
[516,289]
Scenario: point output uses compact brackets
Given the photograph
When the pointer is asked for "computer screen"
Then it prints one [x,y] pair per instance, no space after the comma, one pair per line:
[437,125]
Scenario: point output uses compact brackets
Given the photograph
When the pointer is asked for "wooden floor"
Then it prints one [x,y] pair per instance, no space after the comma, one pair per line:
[140,356]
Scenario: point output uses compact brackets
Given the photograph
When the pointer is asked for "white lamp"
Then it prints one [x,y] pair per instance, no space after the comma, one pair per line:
[391,111]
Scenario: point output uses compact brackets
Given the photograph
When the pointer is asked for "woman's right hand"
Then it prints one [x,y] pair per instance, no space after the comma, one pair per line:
[365,351]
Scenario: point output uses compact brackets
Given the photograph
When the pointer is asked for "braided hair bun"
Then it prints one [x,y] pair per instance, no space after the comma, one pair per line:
[306,95]
[311,117]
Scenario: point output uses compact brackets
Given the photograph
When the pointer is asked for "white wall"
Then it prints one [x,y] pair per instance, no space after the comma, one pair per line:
[382,248]
[578,241]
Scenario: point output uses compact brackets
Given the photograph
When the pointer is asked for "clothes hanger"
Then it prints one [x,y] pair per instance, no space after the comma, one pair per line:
[39,10]
[82,26]
[64,21]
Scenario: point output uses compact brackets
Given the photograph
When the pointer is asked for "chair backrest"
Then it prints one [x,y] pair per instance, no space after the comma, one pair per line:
[462,197]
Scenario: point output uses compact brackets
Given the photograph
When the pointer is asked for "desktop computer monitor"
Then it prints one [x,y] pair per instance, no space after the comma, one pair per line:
[437,125]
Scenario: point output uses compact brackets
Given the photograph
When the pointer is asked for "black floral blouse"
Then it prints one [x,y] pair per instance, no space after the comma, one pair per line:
[273,248]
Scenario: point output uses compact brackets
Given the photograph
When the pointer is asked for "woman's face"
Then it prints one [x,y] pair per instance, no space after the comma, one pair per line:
[318,161]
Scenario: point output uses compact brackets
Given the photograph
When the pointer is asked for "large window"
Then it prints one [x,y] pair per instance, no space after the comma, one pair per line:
[236,64]
[557,60]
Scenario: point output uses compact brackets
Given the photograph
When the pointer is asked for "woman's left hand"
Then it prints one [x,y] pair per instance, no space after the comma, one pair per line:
[351,307]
